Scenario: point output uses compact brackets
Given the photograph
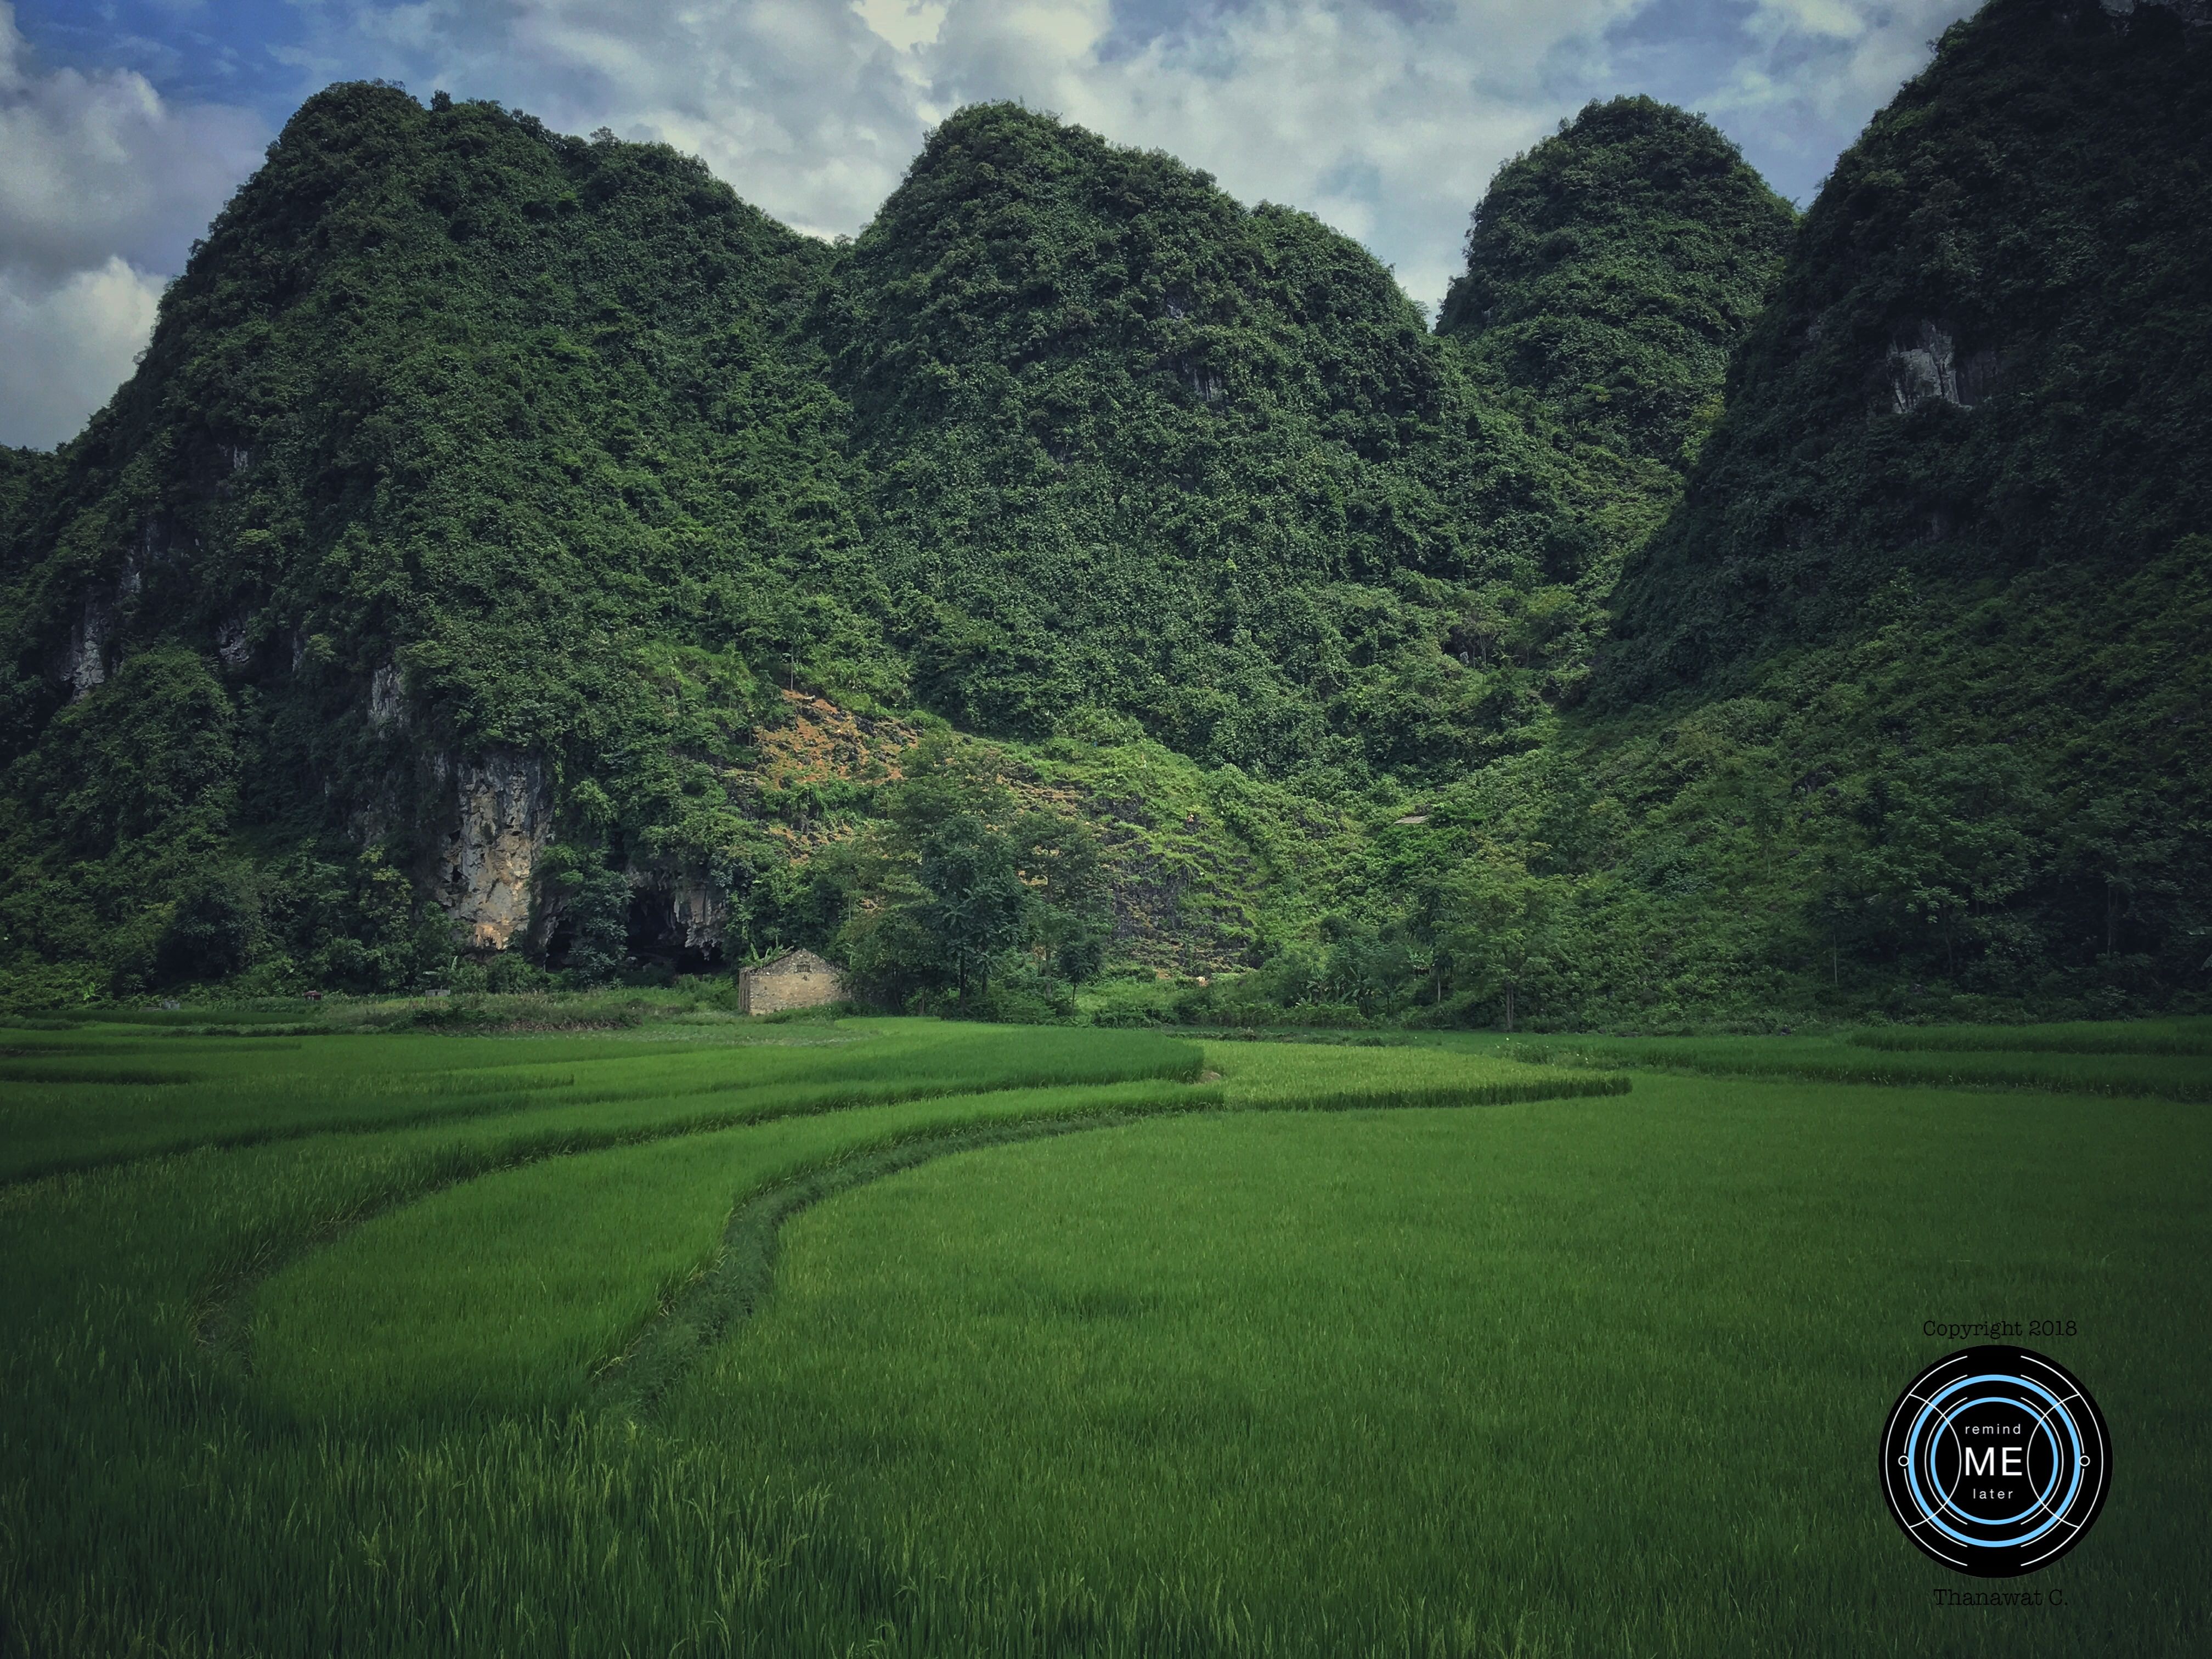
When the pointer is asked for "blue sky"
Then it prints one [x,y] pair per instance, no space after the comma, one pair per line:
[126,123]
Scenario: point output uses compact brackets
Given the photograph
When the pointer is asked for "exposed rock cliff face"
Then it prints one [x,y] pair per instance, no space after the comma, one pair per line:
[111,609]
[505,820]
[682,917]
[84,661]
[387,699]
[700,913]
[1926,364]
[233,643]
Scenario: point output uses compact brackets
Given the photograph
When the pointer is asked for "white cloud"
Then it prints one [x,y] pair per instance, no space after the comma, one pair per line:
[1839,19]
[63,350]
[104,187]
[800,104]
[1387,125]
[1813,72]
[1869,52]
[904,24]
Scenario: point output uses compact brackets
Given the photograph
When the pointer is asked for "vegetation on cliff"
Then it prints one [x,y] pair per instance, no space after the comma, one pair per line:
[1946,552]
[1904,707]
[455,435]
[1139,454]
[1612,269]
[1715,615]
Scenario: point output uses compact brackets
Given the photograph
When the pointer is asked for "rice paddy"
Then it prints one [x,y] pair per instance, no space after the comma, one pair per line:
[909,1338]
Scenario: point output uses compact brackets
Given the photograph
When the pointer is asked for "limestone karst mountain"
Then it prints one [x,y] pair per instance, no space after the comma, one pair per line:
[514,544]
[1947,552]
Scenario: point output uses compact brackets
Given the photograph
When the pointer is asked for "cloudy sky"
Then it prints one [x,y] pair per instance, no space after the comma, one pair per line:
[124,125]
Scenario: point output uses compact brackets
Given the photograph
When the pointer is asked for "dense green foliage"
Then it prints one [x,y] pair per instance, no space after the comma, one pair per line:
[517,420]
[1611,270]
[1226,1381]
[1943,573]
[959,890]
[459,438]
[1404,669]
[1905,707]
[2028,217]
[23,474]
[1139,451]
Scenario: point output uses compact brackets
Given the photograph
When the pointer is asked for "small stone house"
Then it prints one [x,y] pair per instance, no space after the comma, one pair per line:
[797,979]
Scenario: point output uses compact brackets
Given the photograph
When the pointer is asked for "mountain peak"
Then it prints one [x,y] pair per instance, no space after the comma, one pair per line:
[1612,268]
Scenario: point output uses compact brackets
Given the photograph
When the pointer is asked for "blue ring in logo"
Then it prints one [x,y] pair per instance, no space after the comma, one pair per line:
[1934,1513]
[2043,1427]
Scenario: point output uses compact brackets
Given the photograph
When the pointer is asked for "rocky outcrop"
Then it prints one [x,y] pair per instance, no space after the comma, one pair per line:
[504,819]
[701,914]
[83,663]
[678,916]
[387,703]
[1926,366]
[86,655]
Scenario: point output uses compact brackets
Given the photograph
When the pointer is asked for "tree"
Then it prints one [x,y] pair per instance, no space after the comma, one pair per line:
[975,899]
[1069,916]
[214,928]
[957,885]
[1949,839]
[595,904]
[1499,924]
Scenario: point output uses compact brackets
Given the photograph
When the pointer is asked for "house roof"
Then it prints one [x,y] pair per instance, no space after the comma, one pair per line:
[796,961]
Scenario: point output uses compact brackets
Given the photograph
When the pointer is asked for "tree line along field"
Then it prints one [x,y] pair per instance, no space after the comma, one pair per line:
[907,1337]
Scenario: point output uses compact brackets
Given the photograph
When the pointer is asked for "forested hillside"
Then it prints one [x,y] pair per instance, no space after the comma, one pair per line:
[516,554]
[1904,709]
[1145,459]
[1612,269]
[466,456]
[1944,566]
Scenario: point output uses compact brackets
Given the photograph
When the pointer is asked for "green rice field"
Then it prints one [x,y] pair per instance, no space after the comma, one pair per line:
[900,1337]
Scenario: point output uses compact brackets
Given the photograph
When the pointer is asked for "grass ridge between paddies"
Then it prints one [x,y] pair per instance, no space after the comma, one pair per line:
[2186,1036]
[74,1115]
[2163,1060]
[514,1287]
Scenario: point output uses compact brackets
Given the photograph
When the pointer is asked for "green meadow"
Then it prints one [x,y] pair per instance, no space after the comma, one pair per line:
[904,1337]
